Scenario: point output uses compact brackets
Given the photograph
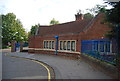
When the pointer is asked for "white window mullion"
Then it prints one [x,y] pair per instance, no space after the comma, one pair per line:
[104,43]
[70,46]
[110,46]
[98,46]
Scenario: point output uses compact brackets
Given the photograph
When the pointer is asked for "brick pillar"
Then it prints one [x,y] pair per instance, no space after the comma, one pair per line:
[13,46]
[21,46]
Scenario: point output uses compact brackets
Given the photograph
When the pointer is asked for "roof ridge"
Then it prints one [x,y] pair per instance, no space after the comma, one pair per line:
[61,23]
[64,28]
[91,22]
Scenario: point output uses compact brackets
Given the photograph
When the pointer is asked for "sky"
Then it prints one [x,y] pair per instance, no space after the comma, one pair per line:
[31,12]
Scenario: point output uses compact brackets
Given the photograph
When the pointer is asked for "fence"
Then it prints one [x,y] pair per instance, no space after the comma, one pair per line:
[100,49]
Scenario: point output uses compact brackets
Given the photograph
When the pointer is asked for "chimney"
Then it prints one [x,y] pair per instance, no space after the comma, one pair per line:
[79,16]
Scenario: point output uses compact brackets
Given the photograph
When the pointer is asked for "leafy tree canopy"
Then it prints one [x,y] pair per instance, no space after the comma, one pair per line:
[34,30]
[88,16]
[113,16]
[53,22]
[97,9]
[12,29]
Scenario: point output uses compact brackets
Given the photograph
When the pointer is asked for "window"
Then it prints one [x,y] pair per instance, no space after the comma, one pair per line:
[52,44]
[107,46]
[64,45]
[96,45]
[45,43]
[68,45]
[49,44]
[61,45]
[101,46]
[73,45]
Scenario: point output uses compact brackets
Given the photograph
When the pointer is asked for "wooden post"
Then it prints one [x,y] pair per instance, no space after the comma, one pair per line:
[13,46]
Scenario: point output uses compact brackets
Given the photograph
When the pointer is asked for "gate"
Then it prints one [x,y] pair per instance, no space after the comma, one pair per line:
[17,47]
[100,49]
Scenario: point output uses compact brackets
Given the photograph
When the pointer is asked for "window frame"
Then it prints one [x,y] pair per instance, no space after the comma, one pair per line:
[61,45]
[73,46]
[68,45]
[49,44]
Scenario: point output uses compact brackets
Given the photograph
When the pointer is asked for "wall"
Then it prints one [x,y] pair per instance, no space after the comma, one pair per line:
[96,30]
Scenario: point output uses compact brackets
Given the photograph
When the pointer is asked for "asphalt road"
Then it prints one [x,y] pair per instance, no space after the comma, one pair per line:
[64,68]
[17,68]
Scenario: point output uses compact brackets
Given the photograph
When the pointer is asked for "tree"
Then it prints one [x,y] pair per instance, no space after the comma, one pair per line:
[33,30]
[97,9]
[88,16]
[53,22]
[113,14]
[113,17]
[12,29]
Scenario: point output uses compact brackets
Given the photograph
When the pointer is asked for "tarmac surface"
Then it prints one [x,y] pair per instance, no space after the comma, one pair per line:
[18,68]
[64,67]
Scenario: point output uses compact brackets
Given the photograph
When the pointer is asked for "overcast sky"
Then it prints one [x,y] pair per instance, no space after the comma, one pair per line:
[31,12]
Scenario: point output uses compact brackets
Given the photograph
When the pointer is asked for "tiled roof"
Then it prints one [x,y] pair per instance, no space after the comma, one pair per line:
[69,27]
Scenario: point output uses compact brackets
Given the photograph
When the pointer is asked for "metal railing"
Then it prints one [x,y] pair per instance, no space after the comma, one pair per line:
[98,50]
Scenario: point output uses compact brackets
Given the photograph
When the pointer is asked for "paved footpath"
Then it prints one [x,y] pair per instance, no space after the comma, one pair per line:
[66,68]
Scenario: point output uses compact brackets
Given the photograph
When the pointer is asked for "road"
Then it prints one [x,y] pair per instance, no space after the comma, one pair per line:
[66,68]
[17,68]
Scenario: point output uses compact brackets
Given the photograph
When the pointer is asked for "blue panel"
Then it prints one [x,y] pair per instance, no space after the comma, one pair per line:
[96,47]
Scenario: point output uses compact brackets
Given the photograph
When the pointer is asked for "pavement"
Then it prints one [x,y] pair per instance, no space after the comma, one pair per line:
[64,67]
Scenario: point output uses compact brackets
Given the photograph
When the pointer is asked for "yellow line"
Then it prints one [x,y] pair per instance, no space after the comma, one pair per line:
[36,62]
[45,67]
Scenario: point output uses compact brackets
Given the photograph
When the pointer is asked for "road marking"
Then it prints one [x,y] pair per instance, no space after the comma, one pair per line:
[45,67]
[36,62]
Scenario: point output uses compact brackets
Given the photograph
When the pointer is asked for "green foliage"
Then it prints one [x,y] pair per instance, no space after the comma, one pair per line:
[88,16]
[33,30]
[12,29]
[53,22]
[113,16]
[97,9]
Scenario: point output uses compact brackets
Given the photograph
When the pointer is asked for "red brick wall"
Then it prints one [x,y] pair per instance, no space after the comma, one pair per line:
[95,31]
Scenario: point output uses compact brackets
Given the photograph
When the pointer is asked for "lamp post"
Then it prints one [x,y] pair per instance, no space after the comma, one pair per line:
[56,46]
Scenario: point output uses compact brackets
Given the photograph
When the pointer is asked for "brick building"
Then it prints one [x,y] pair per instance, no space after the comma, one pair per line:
[70,35]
